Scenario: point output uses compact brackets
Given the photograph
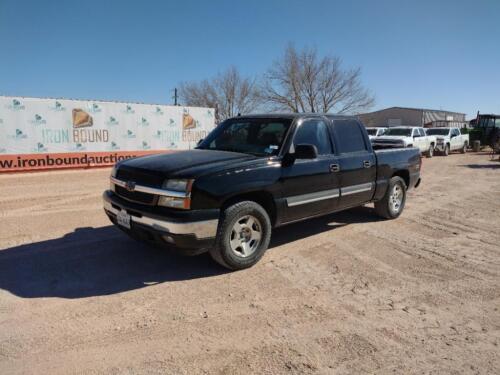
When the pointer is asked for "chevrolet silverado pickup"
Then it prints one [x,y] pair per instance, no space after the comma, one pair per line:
[449,139]
[252,174]
[407,136]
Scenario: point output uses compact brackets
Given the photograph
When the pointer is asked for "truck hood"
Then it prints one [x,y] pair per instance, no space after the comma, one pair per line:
[190,164]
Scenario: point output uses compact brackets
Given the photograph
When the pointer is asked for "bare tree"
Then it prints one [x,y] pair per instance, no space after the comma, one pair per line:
[301,81]
[229,93]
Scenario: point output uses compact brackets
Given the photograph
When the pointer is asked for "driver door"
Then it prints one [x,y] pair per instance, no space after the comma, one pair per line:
[310,187]
[418,140]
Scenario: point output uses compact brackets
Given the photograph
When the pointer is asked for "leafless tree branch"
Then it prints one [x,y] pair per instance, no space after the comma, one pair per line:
[228,92]
[302,81]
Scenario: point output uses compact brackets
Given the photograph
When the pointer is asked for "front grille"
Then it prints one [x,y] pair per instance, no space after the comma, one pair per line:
[135,196]
[387,141]
[139,177]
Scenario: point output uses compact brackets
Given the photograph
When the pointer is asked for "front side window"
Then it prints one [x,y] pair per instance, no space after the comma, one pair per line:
[438,131]
[314,132]
[348,136]
[416,133]
[261,137]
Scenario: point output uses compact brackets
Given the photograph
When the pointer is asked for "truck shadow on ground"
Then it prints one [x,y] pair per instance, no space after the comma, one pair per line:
[491,165]
[103,261]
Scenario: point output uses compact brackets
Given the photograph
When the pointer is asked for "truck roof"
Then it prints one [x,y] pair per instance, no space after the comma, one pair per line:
[293,116]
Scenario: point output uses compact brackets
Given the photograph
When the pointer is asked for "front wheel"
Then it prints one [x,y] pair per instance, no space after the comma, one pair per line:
[393,203]
[446,151]
[243,235]
[430,151]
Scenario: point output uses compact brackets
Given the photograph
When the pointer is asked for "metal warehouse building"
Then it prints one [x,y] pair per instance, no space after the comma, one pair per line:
[397,116]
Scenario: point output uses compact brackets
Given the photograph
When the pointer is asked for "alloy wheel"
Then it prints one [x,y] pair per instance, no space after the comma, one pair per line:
[246,236]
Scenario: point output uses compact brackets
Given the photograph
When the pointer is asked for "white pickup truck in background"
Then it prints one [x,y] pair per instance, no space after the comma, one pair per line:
[449,139]
[407,136]
[375,132]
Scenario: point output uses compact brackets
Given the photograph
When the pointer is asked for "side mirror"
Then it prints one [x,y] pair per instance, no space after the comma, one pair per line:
[306,151]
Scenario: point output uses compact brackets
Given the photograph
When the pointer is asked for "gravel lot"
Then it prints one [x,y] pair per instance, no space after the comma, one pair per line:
[346,293]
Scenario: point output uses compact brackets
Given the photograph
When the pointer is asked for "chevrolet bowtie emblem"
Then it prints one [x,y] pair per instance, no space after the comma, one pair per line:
[130,185]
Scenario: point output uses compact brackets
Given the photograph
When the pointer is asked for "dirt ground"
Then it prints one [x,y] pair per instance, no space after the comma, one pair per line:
[347,293]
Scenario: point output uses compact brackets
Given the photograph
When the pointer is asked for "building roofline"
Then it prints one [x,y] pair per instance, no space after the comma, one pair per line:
[414,109]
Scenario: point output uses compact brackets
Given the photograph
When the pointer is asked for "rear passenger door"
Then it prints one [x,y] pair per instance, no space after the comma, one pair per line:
[309,186]
[356,163]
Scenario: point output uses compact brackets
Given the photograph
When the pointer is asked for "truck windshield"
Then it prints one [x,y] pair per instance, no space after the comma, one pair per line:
[261,137]
[371,131]
[406,132]
[438,131]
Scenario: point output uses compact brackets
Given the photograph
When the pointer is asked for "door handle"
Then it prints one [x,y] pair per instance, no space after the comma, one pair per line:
[334,167]
[367,164]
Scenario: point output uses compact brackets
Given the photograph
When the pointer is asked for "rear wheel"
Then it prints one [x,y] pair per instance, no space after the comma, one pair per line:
[243,235]
[393,203]
[463,150]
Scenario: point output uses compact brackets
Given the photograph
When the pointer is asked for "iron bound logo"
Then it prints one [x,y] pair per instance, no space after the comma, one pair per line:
[129,109]
[112,121]
[94,108]
[40,147]
[38,120]
[18,135]
[58,107]
[82,120]
[130,134]
[16,105]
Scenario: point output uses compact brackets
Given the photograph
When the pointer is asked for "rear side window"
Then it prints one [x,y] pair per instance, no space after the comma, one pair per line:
[314,132]
[348,136]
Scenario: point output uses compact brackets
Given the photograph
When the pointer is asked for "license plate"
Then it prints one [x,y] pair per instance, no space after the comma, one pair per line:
[123,219]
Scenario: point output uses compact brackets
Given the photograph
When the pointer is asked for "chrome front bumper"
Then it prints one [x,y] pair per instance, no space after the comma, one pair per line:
[200,229]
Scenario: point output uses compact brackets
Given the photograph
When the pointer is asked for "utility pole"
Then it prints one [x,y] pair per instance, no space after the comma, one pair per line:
[175,96]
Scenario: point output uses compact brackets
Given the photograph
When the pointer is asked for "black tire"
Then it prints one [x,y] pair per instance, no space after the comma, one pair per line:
[430,152]
[446,150]
[383,207]
[463,150]
[223,253]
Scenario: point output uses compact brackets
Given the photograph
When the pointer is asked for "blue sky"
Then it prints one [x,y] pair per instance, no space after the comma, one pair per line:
[433,54]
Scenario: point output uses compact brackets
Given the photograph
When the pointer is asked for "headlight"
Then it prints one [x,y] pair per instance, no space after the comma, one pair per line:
[113,175]
[177,185]
[182,198]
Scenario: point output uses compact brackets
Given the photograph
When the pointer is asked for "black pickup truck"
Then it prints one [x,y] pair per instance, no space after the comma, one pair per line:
[254,173]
